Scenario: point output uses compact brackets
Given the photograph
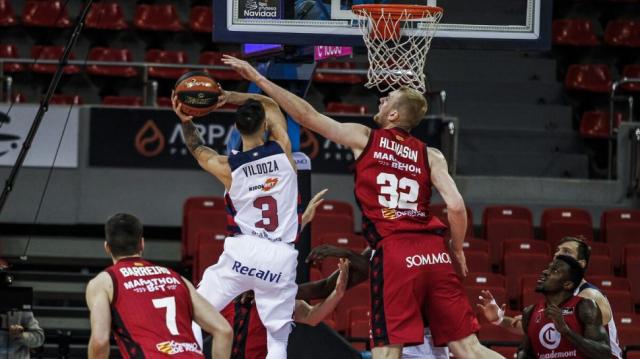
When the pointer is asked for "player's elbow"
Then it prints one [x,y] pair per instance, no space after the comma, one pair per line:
[456,206]
[99,343]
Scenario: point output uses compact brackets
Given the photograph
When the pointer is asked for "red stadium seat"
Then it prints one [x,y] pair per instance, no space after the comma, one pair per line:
[632,71]
[595,124]
[490,333]
[315,274]
[632,270]
[574,32]
[628,326]
[589,78]
[474,244]
[7,15]
[214,58]
[344,79]
[357,296]
[518,264]
[129,101]
[114,55]
[599,248]
[507,352]
[163,17]
[530,297]
[163,102]
[361,312]
[10,51]
[525,246]
[484,280]
[51,53]
[633,354]
[331,323]
[478,261]
[201,213]
[201,19]
[500,223]
[333,207]
[335,223]
[50,13]
[623,33]
[166,57]
[621,301]
[348,240]
[609,282]
[619,227]
[440,211]
[19,98]
[210,245]
[557,223]
[106,16]
[66,100]
[359,329]
[347,108]
[600,265]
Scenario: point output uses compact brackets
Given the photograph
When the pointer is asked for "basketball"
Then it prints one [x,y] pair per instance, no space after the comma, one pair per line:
[197,92]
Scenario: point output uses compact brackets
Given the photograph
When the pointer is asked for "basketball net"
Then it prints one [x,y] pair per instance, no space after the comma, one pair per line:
[398,38]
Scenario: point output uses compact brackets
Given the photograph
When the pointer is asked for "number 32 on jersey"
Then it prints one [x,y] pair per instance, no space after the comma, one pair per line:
[397,193]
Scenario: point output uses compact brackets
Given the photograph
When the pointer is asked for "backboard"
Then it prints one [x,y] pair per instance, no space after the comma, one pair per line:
[467,23]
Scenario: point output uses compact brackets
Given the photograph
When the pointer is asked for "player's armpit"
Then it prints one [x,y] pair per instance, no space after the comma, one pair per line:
[98,302]
[601,301]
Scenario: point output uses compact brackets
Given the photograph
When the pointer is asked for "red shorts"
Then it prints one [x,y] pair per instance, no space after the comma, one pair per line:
[249,334]
[413,282]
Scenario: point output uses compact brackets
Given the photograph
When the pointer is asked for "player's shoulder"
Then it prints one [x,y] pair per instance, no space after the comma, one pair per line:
[102,281]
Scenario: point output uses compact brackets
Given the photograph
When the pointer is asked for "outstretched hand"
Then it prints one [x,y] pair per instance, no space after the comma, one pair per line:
[489,307]
[177,108]
[242,67]
[310,211]
[343,277]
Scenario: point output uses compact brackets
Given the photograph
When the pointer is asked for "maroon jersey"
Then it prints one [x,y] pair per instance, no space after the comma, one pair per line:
[151,311]
[393,186]
[249,334]
[545,340]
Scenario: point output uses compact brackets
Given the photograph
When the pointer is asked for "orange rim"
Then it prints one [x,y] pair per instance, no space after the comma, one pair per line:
[396,11]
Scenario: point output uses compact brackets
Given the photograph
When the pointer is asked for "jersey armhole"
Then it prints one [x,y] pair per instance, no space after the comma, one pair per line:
[366,148]
[115,286]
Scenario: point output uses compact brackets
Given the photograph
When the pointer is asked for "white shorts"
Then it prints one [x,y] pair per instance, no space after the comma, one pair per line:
[426,350]
[250,263]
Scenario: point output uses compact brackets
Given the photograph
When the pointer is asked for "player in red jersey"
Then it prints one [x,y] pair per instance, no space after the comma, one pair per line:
[563,325]
[412,276]
[149,308]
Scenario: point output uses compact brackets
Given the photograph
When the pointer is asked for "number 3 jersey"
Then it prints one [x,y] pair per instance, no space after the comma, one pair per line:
[393,186]
[263,199]
[151,311]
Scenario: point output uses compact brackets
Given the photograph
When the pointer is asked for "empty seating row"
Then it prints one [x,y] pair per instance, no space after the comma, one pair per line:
[597,78]
[581,32]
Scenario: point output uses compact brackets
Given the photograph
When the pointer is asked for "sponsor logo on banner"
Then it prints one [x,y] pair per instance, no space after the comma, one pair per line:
[259,9]
[15,126]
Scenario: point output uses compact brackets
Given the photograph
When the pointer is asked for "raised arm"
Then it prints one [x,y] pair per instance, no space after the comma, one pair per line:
[352,135]
[312,315]
[456,210]
[98,302]
[210,160]
[209,319]
[494,314]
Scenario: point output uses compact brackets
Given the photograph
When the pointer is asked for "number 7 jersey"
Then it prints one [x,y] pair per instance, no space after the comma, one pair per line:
[263,199]
[393,186]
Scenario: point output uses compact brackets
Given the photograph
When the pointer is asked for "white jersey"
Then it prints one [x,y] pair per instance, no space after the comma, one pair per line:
[263,198]
[611,325]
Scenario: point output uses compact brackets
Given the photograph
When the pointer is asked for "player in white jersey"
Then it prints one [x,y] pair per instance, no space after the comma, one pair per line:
[262,202]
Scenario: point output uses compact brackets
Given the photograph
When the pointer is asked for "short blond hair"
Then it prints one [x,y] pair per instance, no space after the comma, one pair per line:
[411,105]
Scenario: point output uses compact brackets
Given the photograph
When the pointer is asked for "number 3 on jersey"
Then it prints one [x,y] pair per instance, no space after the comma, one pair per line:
[269,208]
[394,193]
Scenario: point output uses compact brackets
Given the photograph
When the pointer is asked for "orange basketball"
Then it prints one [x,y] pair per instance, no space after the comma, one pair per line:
[197,92]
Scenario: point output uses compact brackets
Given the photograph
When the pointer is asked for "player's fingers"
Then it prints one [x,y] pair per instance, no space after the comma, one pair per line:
[319,194]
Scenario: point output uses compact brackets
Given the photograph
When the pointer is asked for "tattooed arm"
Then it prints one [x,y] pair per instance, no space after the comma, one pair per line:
[210,160]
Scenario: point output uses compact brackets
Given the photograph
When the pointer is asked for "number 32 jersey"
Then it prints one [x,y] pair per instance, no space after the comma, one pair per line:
[263,199]
[393,186]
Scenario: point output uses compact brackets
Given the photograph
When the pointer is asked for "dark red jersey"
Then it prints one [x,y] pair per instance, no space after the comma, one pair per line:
[545,340]
[393,186]
[249,334]
[151,311]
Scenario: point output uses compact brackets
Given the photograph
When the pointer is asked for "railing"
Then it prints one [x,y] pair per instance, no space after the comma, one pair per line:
[612,100]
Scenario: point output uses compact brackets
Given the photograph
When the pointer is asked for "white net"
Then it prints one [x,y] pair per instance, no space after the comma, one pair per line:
[397,44]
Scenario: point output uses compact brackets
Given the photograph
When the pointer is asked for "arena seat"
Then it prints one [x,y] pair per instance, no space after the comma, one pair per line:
[354,297]
[106,16]
[349,240]
[633,71]
[475,279]
[359,329]
[524,246]
[574,32]
[599,248]
[333,207]
[600,265]
[346,108]
[609,282]
[619,227]
[528,295]
[19,98]
[595,124]
[198,214]
[7,15]
[130,101]
[66,100]
[475,244]
[632,270]
[628,326]
[440,210]
[10,51]
[490,333]
[210,245]
[51,53]
[343,79]
[214,58]
[500,223]
[161,17]
[518,264]
[201,19]
[166,57]
[51,14]
[589,78]
[620,301]
[633,354]
[623,33]
[336,223]
[478,261]
[315,274]
[114,55]
[358,313]
[163,102]
[557,223]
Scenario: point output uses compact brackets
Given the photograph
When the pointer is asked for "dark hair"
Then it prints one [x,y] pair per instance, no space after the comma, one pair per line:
[576,272]
[249,117]
[123,232]
[584,251]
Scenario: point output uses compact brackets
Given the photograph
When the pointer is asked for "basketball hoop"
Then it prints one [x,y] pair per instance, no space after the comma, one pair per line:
[398,38]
